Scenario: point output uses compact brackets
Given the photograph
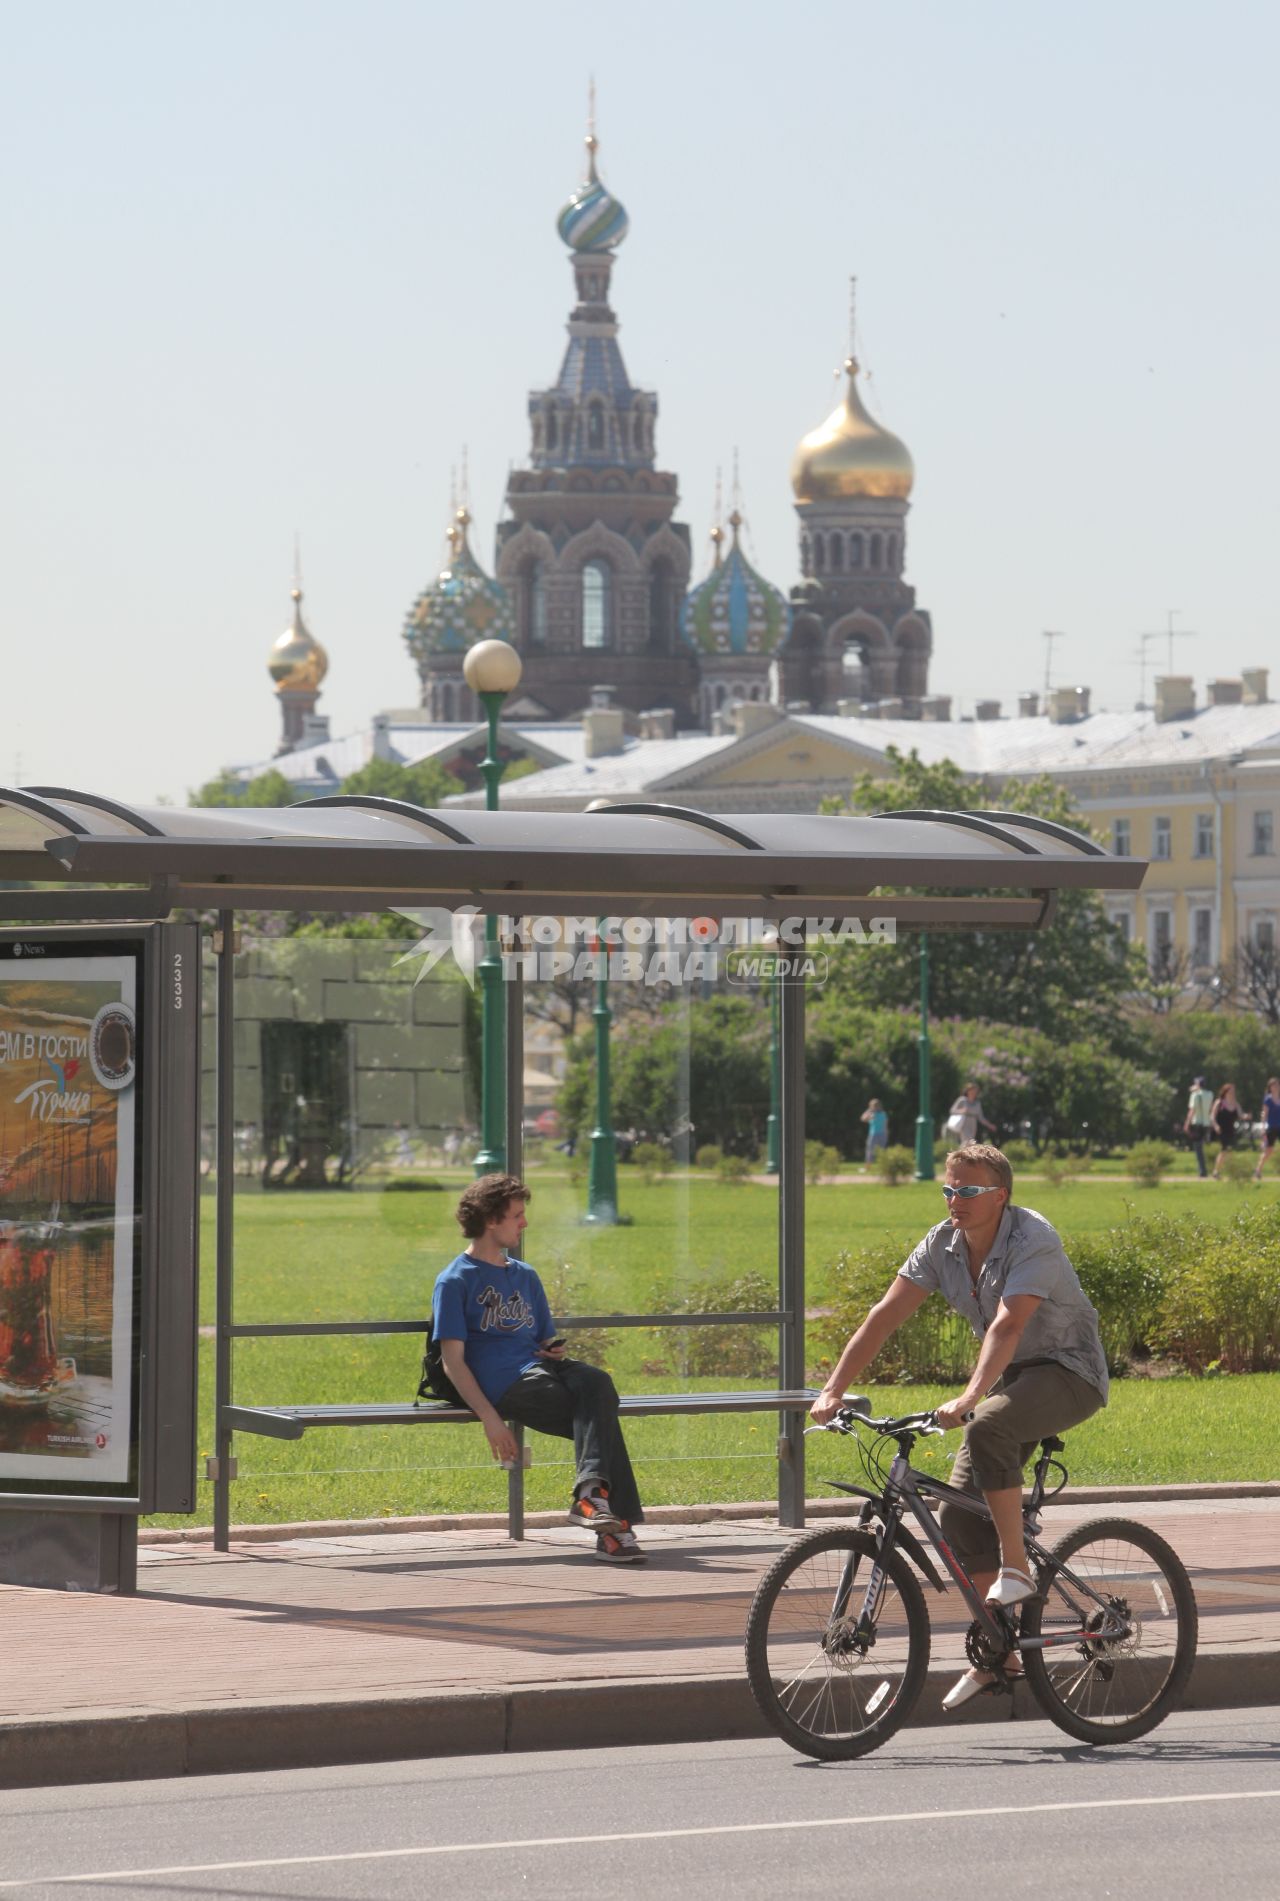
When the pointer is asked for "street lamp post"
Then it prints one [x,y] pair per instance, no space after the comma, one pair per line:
[602,1167]
[492,669]
[924,1118]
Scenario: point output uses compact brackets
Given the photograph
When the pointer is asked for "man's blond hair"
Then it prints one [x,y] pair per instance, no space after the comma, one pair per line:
[987,1155]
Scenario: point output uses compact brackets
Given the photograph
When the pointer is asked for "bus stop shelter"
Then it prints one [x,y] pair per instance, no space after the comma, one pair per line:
[76,858]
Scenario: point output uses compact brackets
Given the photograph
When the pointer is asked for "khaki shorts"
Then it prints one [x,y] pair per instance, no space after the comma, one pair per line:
[1025,1405]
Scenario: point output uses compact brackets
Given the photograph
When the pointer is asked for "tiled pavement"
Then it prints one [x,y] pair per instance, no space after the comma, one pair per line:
[461,1612]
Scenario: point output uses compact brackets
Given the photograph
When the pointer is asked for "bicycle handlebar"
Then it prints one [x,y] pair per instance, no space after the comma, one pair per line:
[850,1417]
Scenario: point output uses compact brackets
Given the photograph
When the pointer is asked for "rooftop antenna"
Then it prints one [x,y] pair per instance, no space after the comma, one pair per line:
[1048,639]
[1169,633]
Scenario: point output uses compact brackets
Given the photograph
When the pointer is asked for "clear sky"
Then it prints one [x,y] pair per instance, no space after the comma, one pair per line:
[269,264]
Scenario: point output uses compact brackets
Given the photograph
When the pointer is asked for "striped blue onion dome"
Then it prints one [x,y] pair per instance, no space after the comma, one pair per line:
[593,219]
[735,610]
[461,606]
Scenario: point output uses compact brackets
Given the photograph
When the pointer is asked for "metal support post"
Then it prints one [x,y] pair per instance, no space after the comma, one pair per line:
[602,1165]
[924,1109]
[225,1162]
[771,1126]
[791,1291]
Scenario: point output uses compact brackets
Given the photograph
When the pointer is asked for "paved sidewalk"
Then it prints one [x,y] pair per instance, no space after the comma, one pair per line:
[369,1647]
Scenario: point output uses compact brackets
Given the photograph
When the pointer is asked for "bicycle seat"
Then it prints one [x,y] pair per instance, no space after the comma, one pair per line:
[1053,1445]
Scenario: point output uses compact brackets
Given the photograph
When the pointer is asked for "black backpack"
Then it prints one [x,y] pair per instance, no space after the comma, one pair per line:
[435,1382]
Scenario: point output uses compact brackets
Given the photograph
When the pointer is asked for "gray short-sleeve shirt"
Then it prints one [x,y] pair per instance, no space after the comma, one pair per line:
[1027,1257]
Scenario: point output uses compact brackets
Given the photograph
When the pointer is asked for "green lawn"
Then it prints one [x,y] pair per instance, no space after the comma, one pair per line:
[373,1255]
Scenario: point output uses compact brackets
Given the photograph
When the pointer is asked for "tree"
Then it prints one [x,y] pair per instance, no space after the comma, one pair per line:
[269,788]
[426,783]
[1068,980]
[1257,978]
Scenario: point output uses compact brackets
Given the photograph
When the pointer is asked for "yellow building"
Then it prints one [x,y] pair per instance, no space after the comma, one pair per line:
[1196,791]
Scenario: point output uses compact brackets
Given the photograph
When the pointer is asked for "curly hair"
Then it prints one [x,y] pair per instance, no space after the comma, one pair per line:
[486,1200]
[987,1155]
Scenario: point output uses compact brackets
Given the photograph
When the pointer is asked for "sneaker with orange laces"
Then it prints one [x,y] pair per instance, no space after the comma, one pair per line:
[594,1510]
[619,1547]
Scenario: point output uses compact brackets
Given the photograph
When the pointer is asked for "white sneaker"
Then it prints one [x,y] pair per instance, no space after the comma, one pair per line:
[1011,1587]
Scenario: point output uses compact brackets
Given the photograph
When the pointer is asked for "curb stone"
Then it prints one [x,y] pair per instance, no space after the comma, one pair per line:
[248,1738]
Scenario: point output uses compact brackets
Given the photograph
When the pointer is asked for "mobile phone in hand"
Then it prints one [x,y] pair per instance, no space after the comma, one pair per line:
[549,1344]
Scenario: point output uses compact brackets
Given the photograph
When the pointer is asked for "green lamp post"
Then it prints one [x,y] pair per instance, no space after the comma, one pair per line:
[602,1167]
[492,669]
[924,1119]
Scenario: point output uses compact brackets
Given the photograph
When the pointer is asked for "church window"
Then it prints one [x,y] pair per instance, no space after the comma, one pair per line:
[875,551]
[837,551]
[552,431]
[891,554]
[596,605]
[855,551]
[805,559]
[595,427]
[637,431]
[533,605]
[446,700]
[819,554]
[661,608]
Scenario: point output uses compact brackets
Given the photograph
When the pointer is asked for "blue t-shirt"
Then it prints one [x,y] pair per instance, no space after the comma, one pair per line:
[878,1124]
[500,1313]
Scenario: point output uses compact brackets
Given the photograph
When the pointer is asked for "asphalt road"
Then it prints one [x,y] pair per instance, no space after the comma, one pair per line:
[1018,1809]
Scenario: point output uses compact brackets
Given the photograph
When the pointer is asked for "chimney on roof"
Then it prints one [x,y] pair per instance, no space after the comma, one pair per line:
[659,722]
[1028,705]
[802,706]
[1225,692]
[602,731]
[1175,696]
[936,708]
[315,728]
[752,716]
[1067,704]
[987,709]
[889,709]
[382,747]
[1255,686]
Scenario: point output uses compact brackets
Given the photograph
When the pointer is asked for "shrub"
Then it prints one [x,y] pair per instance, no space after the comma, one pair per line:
[734,1352]
[894,1165]
[934,1344]
[652,1160]
[1020,1154]
[941,1149]
[734,1168]
[1222,1305]
[1063,1168]
[1147,1162]
[1237,1166]
[820,1160]
[708,1156]
[565,1294]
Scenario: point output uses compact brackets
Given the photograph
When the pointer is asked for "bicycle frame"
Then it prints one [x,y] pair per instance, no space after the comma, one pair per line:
[909,1490]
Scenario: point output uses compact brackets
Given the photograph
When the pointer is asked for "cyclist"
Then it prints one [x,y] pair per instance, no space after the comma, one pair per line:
[1040,1368]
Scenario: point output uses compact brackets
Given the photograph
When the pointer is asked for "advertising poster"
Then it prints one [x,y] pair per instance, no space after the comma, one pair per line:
[68,1220]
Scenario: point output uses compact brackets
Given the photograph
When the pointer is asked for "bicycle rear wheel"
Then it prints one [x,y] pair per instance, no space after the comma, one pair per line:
[1129,1594]
[832,1684]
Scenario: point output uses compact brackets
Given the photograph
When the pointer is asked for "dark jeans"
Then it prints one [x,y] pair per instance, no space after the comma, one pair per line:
[1199,1135]
[578,1402]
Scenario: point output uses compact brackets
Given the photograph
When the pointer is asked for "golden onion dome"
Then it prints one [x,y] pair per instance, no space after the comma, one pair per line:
[851,455]
[298,662]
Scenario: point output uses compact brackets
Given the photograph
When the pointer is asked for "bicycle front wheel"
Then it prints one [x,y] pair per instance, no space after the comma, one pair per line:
[1127,1594]
[833,1674]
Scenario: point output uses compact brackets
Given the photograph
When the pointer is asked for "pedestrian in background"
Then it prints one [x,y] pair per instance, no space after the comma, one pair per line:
[877,1128]
[1199,1118]
[965,1115]
[1224,1121]
[1269,1117]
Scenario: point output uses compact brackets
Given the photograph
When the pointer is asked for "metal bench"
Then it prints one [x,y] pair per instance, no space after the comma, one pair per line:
[291,1422]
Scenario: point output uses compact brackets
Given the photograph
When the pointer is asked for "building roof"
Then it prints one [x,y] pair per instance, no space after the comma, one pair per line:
[407,738]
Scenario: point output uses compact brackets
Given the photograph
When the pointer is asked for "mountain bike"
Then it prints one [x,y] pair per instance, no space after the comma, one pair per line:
[838,1632]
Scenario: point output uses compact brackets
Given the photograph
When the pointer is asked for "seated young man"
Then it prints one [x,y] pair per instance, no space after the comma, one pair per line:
[1040,1369]
[498,1345]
